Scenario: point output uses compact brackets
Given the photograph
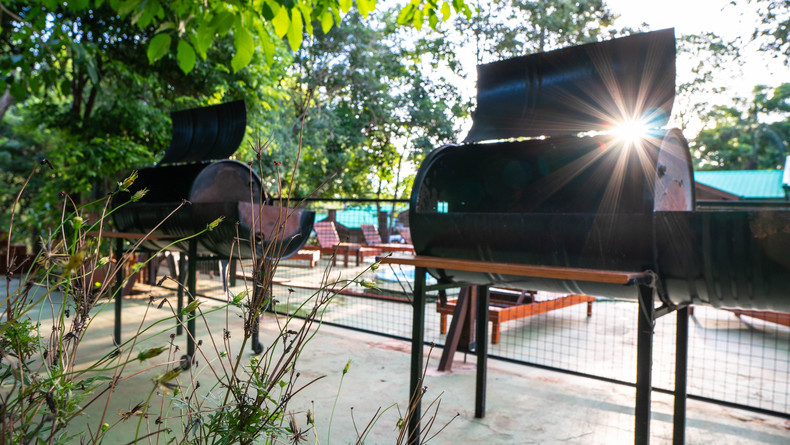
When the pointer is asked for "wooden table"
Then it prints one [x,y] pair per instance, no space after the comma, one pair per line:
[648,313]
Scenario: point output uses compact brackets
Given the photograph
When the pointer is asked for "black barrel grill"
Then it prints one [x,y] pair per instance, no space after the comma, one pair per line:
[195,168]
[541,180]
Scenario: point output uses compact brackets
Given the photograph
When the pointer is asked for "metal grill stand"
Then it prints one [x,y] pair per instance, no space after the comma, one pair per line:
[648,314]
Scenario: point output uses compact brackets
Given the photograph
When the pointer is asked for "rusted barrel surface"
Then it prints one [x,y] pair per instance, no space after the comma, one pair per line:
[569,202]
[594,203]
[726,257]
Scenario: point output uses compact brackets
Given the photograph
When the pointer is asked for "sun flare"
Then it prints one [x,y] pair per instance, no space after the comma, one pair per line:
[631,132]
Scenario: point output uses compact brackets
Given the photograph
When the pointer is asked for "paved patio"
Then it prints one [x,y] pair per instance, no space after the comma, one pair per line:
[524,404]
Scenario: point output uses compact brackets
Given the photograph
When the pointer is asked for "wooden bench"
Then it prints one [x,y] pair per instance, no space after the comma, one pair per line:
[508,304]
[307,254]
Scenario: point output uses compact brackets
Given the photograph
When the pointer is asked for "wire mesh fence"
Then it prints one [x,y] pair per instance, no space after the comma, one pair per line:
[736,359]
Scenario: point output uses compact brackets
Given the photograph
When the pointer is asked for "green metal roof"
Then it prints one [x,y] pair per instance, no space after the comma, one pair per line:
[746,184]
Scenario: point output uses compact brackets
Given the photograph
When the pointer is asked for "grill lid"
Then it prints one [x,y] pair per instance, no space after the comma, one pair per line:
[589,87]
[206,133]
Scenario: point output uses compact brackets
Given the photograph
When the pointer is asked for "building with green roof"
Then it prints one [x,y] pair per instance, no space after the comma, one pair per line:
[743,184]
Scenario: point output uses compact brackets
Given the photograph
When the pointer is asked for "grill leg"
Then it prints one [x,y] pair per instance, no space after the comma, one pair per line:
[182,269]
[644,361]
[117,291]
[191,287]
[223,273]
[417,340]
[481,349]
[232,272]
[267,306]
[681,370]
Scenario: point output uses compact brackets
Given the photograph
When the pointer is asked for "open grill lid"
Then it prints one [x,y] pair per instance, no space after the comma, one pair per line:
[589,87]
[206,133]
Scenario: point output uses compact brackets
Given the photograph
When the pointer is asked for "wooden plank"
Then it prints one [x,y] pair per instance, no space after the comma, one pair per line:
[499,315]
[541,307]
[130,235]
[781,318]
[525,270]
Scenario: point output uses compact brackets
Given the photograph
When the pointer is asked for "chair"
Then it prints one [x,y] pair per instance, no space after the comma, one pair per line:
[373,239]
[329,242]
[405,232]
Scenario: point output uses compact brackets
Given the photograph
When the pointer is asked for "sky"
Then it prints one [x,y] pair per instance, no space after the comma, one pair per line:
[717,16]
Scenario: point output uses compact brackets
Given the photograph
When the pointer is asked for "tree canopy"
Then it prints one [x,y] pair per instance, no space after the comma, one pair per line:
[363,91]
[94,82]
[740,133]
[744,135]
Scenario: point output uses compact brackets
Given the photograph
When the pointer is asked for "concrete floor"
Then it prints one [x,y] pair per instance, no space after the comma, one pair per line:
[524,404]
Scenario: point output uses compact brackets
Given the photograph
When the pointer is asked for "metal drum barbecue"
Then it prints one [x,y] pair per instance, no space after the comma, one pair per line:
[541,180]
[192,169]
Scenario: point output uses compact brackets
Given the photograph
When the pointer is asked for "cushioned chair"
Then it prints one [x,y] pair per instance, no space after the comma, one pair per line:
[330,243]
[373,239]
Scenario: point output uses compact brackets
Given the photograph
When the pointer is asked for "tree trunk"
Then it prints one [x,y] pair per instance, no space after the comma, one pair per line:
[752,161]
[5,102]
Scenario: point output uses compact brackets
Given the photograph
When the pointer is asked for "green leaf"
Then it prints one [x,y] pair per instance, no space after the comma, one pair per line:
[18,91]
[245,47]
[268,48]
[128,6]
[405,14]
[365,6]
[336,13]
[164,26]
[326,21]
[433,19]
[295,31]
[202,39]
[186,56]
[222,22]
[78,5]
[52,4]
[269,10]
[281,23]
[158,47]
[417,19]
[306,12]
[65,87]
[345,5]
[445,11]
[93,73]
[146,15]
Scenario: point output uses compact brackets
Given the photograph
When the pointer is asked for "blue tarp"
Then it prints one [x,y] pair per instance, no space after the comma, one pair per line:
[353,218]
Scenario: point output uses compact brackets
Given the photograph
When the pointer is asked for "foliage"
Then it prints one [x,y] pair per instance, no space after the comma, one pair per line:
[737,133]
[375,102]
[513,28]
[94,80]
[750,135]
[95,106]
[702,87]
[774,27]
[185,30]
